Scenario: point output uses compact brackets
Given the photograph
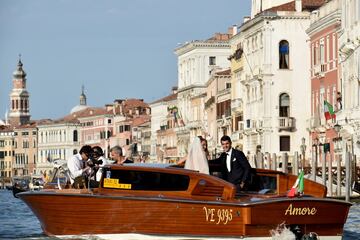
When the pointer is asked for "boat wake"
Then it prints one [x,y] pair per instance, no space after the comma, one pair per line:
[282,233]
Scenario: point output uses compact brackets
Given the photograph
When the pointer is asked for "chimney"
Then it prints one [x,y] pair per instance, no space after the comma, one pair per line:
[246,18]
[174,90]
[109,107]
[234,29]
[298,5]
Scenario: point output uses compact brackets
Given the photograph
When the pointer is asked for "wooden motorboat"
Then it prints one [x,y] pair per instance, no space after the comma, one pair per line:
[177,202]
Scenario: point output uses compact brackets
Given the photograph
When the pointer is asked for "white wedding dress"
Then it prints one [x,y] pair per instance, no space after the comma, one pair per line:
[196,158]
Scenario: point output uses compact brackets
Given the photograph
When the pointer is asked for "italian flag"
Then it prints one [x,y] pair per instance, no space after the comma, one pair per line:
[329,111]
[298,187]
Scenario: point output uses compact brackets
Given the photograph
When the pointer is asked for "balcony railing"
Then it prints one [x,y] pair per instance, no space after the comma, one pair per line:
[286,123]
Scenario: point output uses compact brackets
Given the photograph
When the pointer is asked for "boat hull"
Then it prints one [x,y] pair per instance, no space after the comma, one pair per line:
[87,214]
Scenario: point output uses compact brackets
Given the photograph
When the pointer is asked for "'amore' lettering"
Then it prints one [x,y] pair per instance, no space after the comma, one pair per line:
[300,211]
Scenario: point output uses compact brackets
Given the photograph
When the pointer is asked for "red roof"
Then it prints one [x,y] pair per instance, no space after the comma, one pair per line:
[168,98]
[224,72]
[140,120]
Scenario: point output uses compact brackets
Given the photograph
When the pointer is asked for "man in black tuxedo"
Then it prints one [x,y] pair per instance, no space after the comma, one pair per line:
[235,167]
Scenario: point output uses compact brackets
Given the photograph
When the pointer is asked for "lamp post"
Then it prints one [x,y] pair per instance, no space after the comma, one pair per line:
[303,150]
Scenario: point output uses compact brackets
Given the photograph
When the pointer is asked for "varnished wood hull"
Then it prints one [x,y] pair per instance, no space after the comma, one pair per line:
[78,214]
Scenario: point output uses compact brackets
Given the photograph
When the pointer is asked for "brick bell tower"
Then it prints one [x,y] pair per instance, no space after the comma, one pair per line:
[19,98]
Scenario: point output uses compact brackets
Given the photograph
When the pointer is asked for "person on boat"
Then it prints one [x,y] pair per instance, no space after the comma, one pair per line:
[197,158]
[116,154]
[99,160]
[235,167]
[77,163]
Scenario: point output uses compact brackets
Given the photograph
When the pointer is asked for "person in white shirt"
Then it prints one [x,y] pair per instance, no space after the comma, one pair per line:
[77,163]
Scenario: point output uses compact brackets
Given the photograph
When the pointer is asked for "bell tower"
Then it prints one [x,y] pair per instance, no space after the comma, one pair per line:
[19,97]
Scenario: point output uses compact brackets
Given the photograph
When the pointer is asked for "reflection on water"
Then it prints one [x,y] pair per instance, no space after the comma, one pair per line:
[18,222]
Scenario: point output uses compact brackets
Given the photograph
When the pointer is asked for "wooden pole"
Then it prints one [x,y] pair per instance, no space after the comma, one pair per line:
[268,160]
[260,160]
[330,182]
[347,176]
[274,162]
[314,163]
[295,164]
[338,176]
[323,172]
[284,160]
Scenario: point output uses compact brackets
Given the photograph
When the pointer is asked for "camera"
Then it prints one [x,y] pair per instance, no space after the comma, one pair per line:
[92,162]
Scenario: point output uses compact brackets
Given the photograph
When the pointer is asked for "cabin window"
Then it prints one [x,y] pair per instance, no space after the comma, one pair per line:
[146,181]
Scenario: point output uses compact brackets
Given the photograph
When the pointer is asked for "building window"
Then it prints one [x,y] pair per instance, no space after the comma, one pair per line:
[212,60]
[284,54]
[284,103]
[75,136]
[285,143]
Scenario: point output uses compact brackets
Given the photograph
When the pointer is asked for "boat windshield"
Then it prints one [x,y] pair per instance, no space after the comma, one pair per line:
[143,180]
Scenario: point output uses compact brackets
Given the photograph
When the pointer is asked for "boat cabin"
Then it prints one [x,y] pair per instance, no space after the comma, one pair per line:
[175,182]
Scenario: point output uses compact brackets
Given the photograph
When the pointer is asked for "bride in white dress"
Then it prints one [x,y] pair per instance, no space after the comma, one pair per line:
[197,159]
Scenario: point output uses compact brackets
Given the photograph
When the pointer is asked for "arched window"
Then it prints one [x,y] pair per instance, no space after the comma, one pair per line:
[75,136]
[284,54]
[284,103]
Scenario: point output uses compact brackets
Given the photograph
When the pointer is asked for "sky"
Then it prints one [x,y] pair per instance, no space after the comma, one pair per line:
[117,49]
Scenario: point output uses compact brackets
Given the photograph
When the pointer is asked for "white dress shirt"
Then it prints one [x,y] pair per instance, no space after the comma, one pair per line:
[75,166]
[228,159]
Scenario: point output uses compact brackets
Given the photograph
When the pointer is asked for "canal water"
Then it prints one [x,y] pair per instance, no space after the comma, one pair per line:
[18,222]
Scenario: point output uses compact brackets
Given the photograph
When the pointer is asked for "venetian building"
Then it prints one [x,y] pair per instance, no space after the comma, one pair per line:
[275,79]
[57,139]
[349,41]
[325,24]
[196,61]
[6,154]
[19,98]
[237,105]
[25,149]
[163,127]
[218,109]
[128,114]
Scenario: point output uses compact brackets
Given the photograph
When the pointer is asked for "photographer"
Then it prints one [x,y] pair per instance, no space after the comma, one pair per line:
[76,165]
[99,161]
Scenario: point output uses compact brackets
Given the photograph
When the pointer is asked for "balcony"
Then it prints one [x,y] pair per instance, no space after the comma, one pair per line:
[209,102]
[286,123]
[319,70]
[236,105]
[194,124]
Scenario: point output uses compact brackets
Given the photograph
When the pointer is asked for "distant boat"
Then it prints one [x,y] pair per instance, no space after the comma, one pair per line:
[20,184]
[165,200]
[27,183]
